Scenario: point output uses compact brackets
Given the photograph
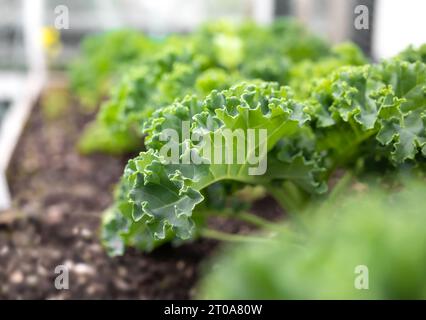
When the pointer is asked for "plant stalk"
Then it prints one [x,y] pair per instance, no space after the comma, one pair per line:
[229,237]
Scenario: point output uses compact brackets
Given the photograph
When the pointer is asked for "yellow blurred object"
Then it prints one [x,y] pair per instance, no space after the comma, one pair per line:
[51,39]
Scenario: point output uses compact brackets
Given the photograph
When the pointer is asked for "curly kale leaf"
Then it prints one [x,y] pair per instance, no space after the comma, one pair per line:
[372,111]
[163,196]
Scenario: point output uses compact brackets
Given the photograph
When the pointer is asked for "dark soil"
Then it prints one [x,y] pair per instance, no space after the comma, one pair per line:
[59,197]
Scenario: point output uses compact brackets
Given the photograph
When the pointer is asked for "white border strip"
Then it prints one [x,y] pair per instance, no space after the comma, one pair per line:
[30,89]
[11,128]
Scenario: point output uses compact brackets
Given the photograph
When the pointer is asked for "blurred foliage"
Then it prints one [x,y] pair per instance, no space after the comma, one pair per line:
[121,142]
[412,54]
[103,56]
[154,73]
[316,258]
[304,76]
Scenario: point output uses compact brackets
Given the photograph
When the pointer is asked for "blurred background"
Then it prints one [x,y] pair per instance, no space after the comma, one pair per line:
[30,44]
[393,23]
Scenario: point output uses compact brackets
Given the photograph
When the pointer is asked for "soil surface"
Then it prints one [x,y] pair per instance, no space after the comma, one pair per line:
[59,197]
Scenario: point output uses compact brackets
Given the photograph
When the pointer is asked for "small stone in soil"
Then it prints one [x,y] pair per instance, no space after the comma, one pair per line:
[86,233]
[4,250]
[17,277]
[32,280]
[180,265]
[83,269]
[54,215]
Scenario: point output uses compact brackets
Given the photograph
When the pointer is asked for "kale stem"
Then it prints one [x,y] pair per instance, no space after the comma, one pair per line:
[290,199]
[341,186]
[257,221]
[229,237]
[250,218]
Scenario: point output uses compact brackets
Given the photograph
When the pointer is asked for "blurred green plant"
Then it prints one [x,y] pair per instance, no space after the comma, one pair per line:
[103,57]
[412,54]
[316,257]
[216,56]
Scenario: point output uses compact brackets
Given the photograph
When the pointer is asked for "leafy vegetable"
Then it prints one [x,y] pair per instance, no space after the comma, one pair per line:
[372,112]
[161,198]
[355,119]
